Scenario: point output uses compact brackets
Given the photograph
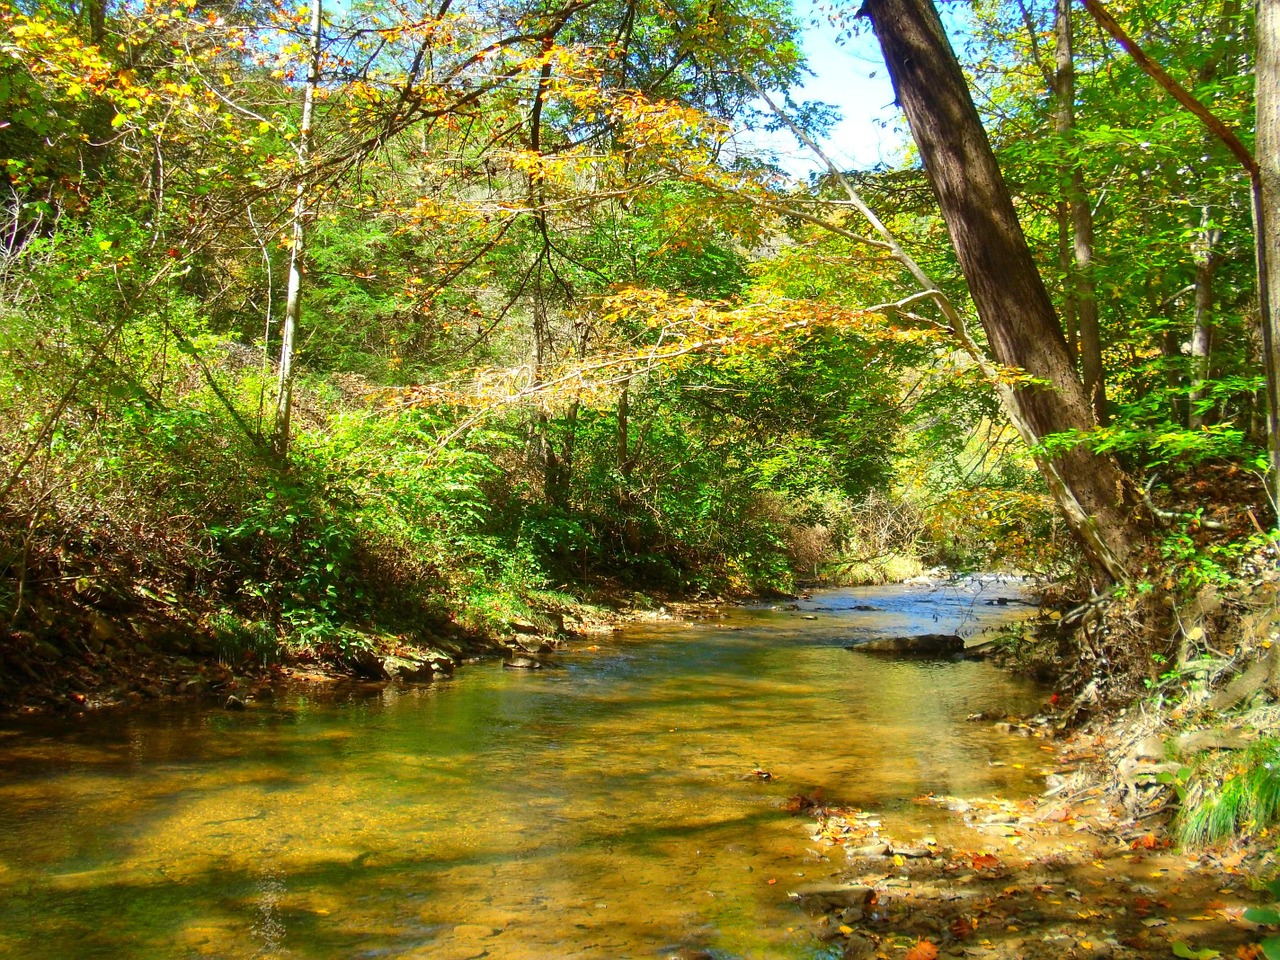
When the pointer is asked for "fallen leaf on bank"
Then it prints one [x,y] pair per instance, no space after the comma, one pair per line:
[923,950]
[1250,951]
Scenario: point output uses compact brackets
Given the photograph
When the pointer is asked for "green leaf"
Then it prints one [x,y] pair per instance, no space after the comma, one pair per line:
[1264,915]
[1180,949]
[1271,948]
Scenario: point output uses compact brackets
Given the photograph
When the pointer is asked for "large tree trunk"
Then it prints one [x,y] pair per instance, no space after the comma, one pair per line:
[1266,210]
[1008,291]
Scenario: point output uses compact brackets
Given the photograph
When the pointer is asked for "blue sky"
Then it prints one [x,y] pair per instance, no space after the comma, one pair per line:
[851,77]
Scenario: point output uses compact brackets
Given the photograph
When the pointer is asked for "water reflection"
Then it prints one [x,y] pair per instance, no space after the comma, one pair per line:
[605,809]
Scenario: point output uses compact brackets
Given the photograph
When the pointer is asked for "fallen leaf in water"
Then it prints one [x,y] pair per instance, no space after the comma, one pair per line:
[986,861]
[1148,841]
[772,881]
[961,927]
[1180,949]
[923,950]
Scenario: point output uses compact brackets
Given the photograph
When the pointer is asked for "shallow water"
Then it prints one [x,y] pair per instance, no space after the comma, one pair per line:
[606,809]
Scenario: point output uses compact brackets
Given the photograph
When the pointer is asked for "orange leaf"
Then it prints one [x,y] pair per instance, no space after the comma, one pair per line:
[924,950]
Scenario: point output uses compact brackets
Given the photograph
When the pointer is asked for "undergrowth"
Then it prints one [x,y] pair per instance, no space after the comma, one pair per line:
[1236,796]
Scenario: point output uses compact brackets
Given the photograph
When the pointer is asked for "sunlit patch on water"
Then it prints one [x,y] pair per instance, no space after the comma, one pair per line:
[604,810]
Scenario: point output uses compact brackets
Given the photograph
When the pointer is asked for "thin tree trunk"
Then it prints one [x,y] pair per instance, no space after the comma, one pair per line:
[1080,276]
[1202,332]
[293,295]
[624,435]
[1007,289]
[1066,263]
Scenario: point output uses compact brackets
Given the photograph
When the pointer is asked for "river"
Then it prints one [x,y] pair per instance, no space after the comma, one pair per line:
[606,809]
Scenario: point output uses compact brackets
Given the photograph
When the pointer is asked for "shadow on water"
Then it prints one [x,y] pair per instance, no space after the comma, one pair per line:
[608,809]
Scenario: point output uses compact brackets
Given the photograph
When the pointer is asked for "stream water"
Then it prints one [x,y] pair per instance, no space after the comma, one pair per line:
[606,809]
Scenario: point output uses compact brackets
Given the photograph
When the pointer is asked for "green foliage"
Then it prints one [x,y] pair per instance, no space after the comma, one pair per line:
[1268,917]
[1244,798]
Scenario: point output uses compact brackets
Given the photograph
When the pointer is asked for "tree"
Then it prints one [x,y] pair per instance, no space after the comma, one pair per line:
[1013,304]
[293,295]
[1266,189]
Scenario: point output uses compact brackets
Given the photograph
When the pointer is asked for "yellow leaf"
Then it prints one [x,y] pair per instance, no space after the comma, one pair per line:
[264,127]
[104,245]
[118,120]
[845,929]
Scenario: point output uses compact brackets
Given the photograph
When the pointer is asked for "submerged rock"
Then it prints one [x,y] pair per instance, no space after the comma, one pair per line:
[522,663]
[925,645]
[819,898]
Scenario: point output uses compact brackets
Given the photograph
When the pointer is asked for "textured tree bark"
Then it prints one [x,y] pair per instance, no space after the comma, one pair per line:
[1266,190]
[1007,289]
[1080,275]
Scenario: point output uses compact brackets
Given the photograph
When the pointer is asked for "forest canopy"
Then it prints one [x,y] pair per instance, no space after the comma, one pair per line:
[346,314]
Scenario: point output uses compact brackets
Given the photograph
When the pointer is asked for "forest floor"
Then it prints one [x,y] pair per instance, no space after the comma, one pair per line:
[1073,873]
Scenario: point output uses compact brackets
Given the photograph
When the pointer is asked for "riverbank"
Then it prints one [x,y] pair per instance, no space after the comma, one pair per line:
[1074,872]
[106,645]
[146,652]
[1040,879]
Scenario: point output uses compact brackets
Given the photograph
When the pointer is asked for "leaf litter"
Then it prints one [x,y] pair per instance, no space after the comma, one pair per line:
[1038,879]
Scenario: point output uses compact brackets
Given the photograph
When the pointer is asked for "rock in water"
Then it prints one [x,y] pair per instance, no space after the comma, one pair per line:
[407,670]
[364,663]
[522,663]
[925,645]
[234,703]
